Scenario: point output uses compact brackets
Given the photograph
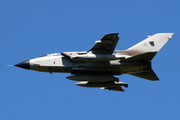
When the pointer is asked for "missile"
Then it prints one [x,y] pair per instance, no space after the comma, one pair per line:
[102,84]
[93,78]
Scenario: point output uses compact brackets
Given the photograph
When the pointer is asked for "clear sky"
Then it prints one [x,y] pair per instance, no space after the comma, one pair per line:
[32,28]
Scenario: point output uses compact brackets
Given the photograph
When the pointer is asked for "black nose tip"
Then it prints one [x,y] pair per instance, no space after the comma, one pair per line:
[24,64]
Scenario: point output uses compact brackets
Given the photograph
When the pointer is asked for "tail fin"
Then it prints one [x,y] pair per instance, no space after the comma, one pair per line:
[147,49]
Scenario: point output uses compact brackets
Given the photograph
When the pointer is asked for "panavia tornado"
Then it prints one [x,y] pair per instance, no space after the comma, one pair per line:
[98,66]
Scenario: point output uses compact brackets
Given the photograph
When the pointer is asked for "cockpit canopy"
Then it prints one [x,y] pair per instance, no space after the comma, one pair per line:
[52,54]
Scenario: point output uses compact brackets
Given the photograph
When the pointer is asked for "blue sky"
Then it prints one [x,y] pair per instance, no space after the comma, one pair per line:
[29,29]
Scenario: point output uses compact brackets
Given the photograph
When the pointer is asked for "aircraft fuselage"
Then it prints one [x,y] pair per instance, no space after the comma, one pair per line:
[97,66]
[59,63]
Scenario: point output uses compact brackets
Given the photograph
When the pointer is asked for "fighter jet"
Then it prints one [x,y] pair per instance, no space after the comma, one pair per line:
[98,66]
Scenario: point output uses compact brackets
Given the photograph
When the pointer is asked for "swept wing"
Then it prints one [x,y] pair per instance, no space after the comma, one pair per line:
[105,45]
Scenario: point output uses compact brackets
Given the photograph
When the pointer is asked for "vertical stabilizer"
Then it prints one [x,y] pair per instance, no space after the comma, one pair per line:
[147,49]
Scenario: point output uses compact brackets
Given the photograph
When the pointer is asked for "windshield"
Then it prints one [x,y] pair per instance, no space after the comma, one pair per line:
[52,54]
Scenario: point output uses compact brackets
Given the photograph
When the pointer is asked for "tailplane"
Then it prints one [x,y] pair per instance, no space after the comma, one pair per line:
[149,75]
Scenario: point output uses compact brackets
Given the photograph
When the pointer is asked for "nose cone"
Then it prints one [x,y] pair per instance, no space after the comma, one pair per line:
[24,64]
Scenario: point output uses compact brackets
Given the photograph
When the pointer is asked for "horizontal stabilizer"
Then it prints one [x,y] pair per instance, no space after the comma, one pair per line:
[149,75]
